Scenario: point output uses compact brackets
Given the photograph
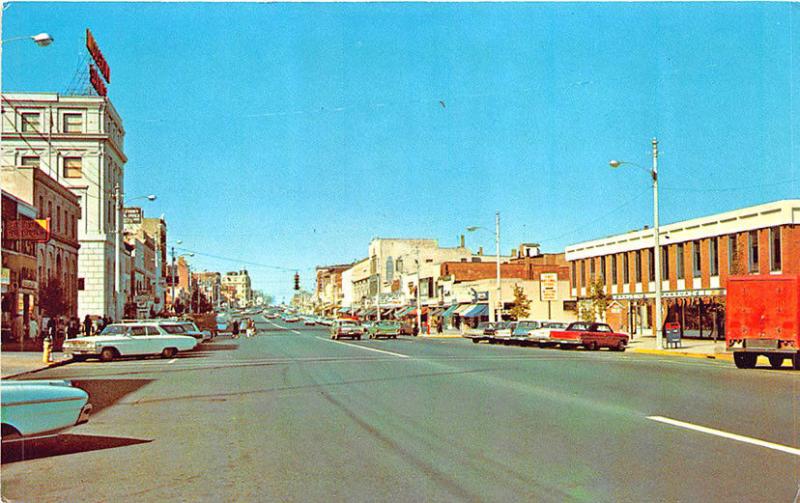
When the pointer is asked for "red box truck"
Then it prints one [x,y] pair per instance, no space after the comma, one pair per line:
[763,318]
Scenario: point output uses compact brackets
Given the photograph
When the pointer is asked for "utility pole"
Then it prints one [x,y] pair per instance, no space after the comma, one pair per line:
[117,233]
[378,292]
[173,278]
[419,308]
[657,254]
[499,304]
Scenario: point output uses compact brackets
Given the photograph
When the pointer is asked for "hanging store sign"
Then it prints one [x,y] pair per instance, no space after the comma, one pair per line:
[5,279]
[28,230]
[97,55]
[132,215]
[548,286]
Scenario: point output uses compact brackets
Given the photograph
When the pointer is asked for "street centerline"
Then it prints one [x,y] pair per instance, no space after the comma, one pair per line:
[363,347]
[725,434]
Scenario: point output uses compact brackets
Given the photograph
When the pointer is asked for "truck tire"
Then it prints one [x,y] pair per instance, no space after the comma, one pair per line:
[796,361]
[775,361]
[744,360]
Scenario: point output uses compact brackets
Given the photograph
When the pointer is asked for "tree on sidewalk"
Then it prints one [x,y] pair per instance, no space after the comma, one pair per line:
[52,300]
[593,308]
[521,307]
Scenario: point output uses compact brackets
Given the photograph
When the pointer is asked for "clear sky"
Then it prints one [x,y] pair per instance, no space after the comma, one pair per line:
[291,134]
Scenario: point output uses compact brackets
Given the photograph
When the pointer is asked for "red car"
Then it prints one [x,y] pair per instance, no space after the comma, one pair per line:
[590,335]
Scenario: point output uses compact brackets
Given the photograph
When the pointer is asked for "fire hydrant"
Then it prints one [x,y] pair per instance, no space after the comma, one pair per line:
[47,348]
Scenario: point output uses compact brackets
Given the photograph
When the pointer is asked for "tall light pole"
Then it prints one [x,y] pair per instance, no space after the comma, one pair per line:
[499,302]
[118,197]
[41,39]
[656,243]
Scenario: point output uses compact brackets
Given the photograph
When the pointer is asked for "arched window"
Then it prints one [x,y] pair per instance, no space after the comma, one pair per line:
[389,269]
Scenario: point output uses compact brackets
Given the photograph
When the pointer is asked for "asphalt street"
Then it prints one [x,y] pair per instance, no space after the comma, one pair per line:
[291,415]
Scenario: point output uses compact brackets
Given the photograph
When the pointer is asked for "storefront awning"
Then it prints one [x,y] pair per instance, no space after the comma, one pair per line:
[413,311]
[463,308]
[404,311]
[450,310]
[477,311]
[344,310]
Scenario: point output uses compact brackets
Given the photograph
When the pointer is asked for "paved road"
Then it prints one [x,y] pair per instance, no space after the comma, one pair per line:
[292,416]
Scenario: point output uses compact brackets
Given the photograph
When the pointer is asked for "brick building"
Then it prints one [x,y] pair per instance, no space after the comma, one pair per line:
[697,257]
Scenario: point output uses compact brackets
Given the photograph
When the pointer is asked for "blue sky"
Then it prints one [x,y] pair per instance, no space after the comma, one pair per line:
[291,134]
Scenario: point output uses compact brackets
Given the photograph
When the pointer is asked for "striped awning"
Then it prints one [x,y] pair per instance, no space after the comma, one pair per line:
[450,310]
[463,308]
[477,311]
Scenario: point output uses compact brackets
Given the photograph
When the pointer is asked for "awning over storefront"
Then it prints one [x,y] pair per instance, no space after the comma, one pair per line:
[450,310]
[344,310]
[477,311]
[413,311]
[463,308]
[404,311]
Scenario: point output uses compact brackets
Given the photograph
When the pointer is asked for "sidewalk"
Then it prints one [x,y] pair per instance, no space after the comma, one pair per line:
[16,362]
[693,348]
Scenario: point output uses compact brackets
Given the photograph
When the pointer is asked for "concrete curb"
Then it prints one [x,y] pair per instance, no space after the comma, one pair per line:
[686,354]
[441,336]
[60,363]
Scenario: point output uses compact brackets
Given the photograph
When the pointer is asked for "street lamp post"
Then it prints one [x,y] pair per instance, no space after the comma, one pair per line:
[40,39]
[656,244]
[499,301]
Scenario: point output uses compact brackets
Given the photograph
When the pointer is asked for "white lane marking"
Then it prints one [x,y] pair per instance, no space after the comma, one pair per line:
[173,360]
[295,331]
[363,347]
[725,434]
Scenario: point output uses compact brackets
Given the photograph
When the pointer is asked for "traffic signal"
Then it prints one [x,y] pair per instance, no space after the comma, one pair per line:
[296,281]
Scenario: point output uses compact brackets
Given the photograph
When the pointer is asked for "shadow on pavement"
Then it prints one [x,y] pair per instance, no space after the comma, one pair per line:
[211,347]
[59,445]
[106,392]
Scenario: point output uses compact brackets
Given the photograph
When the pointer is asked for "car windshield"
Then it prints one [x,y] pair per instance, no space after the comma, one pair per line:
[554,324]
[528,325]
[174,329]
[115,330]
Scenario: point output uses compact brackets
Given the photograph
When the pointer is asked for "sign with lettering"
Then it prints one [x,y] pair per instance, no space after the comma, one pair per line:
[98,57]
[5,279]
[132,216]
[97,82]
[548,286]
[27,230]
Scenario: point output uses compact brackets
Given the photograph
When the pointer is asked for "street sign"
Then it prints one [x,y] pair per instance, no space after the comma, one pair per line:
[6,277]
[132,215]
[27,230]
[548,286]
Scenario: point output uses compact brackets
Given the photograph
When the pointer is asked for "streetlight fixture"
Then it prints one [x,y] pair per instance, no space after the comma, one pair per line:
[40,39]
[118,200]
[499,303]
[657,248]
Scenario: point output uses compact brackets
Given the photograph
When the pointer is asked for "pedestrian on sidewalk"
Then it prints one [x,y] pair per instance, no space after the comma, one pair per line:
[73,328]
[235,329]
[33,329]
[439,325]
[87,326]
[416,330]
[52,329]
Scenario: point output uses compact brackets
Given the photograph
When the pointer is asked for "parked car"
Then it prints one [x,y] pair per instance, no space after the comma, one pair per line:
[502,332]
[310,321]
[192,329]
[291,319]
[406,328]
[384,328]
[591,336]
[132,339]
[535,331]
[482,332]
[346,328]
[35,408]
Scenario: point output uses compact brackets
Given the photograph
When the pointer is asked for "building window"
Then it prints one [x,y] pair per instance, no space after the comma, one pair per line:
[733,255]
[713,256]
[31,161]
[583,273]
[651,264]
[73,167]
[30,122]
[389,269]
[665,263]
[679,265]
[637,263]
[73,123]
[626,276]
[603,269]
[752,246]
[574,278]
[591,270]
[613,269]
[775,249]
[695,259]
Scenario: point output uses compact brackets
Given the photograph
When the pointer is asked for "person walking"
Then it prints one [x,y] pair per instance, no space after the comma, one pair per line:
[439,325]
[251,327]
[87,326]
[33,329]
[74,328]
[235,329]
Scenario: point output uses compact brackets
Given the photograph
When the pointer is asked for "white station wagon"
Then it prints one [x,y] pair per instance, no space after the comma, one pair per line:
[132,339]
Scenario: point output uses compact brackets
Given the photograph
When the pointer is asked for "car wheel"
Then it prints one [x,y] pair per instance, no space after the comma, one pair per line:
[108,354]
[744,360]
[169,352]
[775,362]
[475,340]
[358,337]
[796,361]
[592,346]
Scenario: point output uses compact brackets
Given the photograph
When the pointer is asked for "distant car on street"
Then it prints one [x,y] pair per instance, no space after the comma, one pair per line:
[36,408]
[384,328]
[291,319]
[482,332]
[591,336]
[132,339]
[502,332]
[190,328]
[310,321]
[346,328]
